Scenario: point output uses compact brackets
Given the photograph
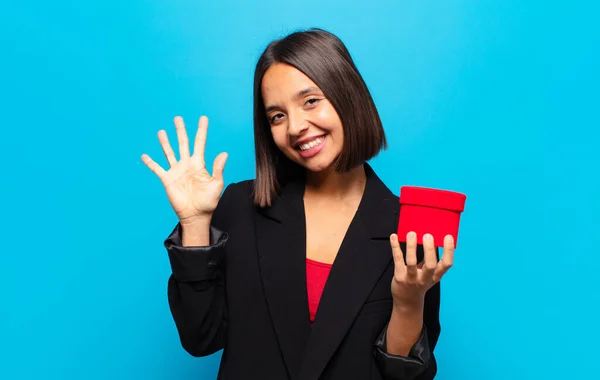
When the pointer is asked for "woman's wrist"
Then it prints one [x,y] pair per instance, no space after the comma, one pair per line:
[196,233]
[409,306]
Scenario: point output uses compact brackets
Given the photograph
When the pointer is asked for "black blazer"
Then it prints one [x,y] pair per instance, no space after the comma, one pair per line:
[246,293]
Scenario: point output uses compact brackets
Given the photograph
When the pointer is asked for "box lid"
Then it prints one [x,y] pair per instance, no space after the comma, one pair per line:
[430,197]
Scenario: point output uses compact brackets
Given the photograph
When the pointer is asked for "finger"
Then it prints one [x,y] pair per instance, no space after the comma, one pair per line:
[397,252]
[200,141]
[430,260]
[219,165]
[156,168]
[166,147]
[411,254]
[182,138]
[447,259]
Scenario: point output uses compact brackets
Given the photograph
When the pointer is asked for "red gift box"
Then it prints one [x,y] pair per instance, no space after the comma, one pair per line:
[426,210]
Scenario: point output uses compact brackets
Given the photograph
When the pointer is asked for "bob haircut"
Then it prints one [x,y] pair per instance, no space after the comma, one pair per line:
[323,58]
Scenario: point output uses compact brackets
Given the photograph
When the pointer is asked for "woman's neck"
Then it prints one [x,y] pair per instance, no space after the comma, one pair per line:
[331,184]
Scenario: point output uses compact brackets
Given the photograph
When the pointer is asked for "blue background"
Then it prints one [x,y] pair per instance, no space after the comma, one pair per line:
[497,99]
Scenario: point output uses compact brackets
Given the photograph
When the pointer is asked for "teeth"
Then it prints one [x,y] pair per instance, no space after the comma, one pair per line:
[313,143]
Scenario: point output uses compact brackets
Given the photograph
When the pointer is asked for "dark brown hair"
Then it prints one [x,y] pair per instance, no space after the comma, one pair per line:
[323,58]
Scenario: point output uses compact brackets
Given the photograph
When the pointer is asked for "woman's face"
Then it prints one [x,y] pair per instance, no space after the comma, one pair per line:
[304,124]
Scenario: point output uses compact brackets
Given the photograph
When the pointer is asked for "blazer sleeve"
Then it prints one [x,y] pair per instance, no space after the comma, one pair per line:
[420,364]
[196,287]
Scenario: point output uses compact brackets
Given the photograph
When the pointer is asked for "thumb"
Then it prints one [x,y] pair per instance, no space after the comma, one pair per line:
[219,165]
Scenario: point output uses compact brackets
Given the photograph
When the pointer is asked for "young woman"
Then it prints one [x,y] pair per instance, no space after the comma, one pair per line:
[298,274]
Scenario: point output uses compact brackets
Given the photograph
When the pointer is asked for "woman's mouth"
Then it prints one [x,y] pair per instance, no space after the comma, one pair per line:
[311,148]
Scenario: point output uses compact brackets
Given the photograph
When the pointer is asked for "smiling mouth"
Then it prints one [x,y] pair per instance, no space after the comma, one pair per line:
[311,144]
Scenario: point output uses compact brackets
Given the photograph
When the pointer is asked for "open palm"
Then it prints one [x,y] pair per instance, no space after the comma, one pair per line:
[192,191]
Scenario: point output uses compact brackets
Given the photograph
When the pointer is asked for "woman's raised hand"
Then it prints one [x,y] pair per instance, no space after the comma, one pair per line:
[192,191]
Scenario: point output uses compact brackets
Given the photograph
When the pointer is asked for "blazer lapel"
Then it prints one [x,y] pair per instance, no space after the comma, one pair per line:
[281,248]
[363,257]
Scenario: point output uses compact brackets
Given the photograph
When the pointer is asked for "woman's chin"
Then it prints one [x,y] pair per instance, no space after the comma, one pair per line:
[318,167]
[316,164]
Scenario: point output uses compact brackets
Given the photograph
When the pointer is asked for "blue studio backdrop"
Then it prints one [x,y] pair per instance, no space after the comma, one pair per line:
[496,99]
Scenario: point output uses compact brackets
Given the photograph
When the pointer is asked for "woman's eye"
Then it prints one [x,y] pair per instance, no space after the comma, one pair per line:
[312,101]
[276,117]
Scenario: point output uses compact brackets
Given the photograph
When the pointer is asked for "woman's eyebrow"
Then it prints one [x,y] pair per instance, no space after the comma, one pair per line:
[306,91]
[298,95]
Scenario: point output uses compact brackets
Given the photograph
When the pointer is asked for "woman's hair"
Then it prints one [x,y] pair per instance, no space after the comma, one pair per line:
[323,58]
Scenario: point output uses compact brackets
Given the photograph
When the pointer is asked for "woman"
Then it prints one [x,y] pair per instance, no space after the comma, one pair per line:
[298,274]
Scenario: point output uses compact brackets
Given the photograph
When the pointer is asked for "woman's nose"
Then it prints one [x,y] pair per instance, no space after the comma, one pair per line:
[297,126]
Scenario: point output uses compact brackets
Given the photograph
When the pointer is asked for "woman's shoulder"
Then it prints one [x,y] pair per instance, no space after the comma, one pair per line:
[236,201]
[380,187]
[238,192]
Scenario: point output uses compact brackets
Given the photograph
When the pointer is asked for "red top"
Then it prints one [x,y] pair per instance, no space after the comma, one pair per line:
[316,277]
